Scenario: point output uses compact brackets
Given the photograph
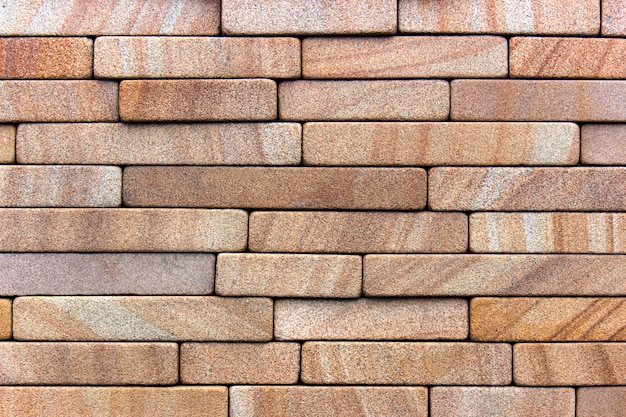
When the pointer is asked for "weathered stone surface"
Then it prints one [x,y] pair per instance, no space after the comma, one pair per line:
[601,402]
[613,18]
[6,321]
[603,144]
[285,275]
[7,144]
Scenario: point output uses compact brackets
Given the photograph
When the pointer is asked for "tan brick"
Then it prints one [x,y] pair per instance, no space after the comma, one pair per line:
[601,402]
[613,18]
[603,145]
[197,100]
[183,57]
[544,100]
[58,101]
[239,363]
[371,319]
[6,321]
[567,364]
[285,275]
[364,100]
[276,188]
[357,232]
[7,144]
[308,17]
[25,363]
[405,363]
[122,230]
[328,401]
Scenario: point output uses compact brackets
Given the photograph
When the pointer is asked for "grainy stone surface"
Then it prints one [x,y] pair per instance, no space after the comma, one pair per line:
[7,144]
[603,144]
[357,232]
[5,319]
[613,18]
[601,402]
[284,275]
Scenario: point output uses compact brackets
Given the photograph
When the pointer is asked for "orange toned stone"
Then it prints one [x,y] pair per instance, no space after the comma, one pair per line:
[285,275]
[197,100]
[7,144]
[239,363]
[364,100]
[613,18]
[405,363]
[603,145]
[357,232]
[6,321]
[601,402]
[25,363]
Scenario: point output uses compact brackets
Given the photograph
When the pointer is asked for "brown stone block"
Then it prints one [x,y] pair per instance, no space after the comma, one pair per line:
[613,18]
[7,144]
[603,144]
[601,402]
[6,321]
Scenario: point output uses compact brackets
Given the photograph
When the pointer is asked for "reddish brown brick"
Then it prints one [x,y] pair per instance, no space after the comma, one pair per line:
[6,321]
[613,18]
[601,402]
[7,144]
[603,145]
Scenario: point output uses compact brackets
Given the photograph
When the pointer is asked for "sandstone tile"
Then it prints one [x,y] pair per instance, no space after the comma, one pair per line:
[567,364]
[6,321]
[239,363]
[364,100]
[305,401]
[357,232]
[439,143]
[58,101]
[371,319]
[158,144]
[197,100]
[285,275]
[406,363]
[603,144]
[601,402]
[122,230]
[543,100]
[25,363]
[308,17]
[7,144]
[276,188]
[613,18]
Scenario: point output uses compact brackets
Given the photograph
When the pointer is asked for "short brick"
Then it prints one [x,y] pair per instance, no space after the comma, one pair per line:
[613,18]
[601,402]
[603,145]
[6,321]
[7,144]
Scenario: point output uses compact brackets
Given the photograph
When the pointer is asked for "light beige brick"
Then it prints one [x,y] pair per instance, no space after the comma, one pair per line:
[603,144]
[601,402]
[7,144]
[613,18]
[6,321]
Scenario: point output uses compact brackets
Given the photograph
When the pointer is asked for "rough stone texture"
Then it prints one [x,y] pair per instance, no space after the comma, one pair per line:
[5,319]
[157,144]
[283,275]
[357,232]
[613,18]
[122,230]
[405,57]
[197,100]
[545,100]
[328,401]
[276,188]
[58,101]
[113,401]
[25,363]
[364,100]
[308,17]
[398,363]
[7,144]
[603,144]
[439,143]
[239,363]
[371,319]
[601,402]
[561,364]
[182,57]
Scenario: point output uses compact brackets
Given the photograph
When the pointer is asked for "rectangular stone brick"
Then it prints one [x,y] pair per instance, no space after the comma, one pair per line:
[7,144]
[371,319]
[6,321]
[567,364]
[603,145]
[357,232]
[308,17]
[142,318]
[548,319]
[36,363]
[439,143]
[613,18]
[304,401]
[545,17]
[601,402]
[110,17]
[122,230]
[58,101]
[185,57]
[364,100]
[239,363]
[276,188]
[543,100]
[197,100]
[284,275]
[406,363]
[405,57]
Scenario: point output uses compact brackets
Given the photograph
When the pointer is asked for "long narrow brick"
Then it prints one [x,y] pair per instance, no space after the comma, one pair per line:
[284,275]
[405,57]
[276,188]
[239,363]
[357,232]
[6,321]
[328,401]
[142,319]
[122,230]
[544,100]
[603,145]
[197,100]
[613,18]
[364,100]
[371,319]
[25,363]
[58,101]
[601,402]
[7,144]
[398,363]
